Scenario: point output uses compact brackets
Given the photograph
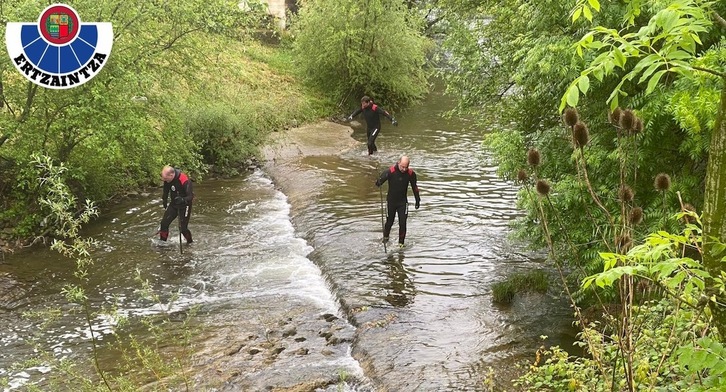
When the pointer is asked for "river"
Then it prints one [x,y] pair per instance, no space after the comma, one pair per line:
[296,290]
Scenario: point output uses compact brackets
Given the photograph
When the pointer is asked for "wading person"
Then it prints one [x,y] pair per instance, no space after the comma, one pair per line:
[179,186]
[399,176]
[372,113]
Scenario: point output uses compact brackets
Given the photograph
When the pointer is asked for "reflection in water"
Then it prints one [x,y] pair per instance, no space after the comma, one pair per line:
[428,322]
[401,290]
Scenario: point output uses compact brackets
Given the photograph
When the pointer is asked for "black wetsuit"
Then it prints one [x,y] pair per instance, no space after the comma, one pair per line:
[372,114]
[180,186]
[398,198]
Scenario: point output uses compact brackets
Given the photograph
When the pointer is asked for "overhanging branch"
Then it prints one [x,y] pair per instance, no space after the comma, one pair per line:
[719,20]
[711,71]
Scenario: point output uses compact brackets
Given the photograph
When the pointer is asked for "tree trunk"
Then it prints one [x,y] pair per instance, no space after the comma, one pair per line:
[714,210]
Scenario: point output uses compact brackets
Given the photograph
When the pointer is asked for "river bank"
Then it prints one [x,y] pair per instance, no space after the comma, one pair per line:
[284,148]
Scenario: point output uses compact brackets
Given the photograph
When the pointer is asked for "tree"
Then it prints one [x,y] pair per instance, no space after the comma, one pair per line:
[109,140]
[508,63]
[664,49]
[348,48]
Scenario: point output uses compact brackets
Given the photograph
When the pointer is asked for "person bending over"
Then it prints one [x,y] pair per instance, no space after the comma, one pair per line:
[179,186]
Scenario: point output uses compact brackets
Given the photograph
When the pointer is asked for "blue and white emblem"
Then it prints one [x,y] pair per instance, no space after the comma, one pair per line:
[59,51]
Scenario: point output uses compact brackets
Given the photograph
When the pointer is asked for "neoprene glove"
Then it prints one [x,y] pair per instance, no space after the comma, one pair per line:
[378,183]
[179,201]
[418,202]
[394,122]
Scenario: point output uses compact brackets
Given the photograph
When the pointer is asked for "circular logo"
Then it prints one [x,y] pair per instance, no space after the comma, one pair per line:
[58,51]
[59,24]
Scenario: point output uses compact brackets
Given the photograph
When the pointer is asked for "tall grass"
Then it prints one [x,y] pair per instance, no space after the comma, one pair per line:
[533,281]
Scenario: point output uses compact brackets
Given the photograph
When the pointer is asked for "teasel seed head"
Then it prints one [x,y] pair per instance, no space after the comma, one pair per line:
[533,157]
[662,182]
[627,119]
[543,187]
[636,216]
[571,117]
[522,176]
[637,126]
[615,116]
[626,194]
[581,135]
[623,242]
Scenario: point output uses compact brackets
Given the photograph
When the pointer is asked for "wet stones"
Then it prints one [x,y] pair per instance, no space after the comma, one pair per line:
[263,355]
[289,331]
[277,349]
[254,350]
[13,294]
[329,317]
[301,351]
[325,333]
[285,336]
[233,350]
[335,335]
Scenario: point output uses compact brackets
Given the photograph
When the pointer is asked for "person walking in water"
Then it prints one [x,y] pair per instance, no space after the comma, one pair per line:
[179,186]
[399,176]
[372,113]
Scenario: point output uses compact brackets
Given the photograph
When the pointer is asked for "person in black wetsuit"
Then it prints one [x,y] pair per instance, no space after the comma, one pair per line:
[179,185]
[372,112]
[399,176]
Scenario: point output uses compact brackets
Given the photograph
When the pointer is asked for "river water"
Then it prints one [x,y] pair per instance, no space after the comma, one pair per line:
[297,290]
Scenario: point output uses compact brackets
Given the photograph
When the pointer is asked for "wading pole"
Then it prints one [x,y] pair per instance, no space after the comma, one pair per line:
[383,225]
[179,218]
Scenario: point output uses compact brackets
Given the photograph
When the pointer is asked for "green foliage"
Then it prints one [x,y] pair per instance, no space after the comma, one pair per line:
[669,47]
[149,105]
[673,346]
[510,67]
[658,260]
[164,356]
[661,47]
[349,48]
[225,138]
[141,360]
[507,143]
[706,356]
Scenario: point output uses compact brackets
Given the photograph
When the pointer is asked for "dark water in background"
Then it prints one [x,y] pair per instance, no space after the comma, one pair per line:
[422,318]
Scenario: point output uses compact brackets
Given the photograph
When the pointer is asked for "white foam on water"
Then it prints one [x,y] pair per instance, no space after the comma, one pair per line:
[278,263]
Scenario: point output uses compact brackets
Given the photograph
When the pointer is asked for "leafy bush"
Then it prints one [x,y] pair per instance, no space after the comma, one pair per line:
[225,138]
[350,48]
[667,344]
[151,105]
